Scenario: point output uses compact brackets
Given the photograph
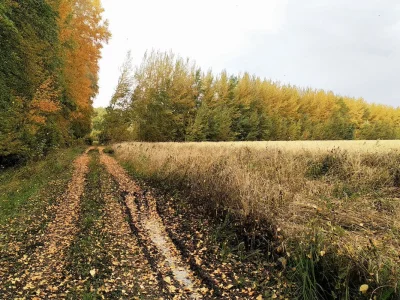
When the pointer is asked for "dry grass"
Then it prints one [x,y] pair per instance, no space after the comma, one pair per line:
[370,146]
[333,203]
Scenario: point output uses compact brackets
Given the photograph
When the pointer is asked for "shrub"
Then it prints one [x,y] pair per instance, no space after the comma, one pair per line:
[88,140]
[332,164]
[108,150]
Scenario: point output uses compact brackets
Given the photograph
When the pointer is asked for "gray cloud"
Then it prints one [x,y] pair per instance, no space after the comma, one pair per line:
[350,47]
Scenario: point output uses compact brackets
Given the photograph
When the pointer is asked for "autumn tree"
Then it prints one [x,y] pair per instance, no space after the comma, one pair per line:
[27,59]
[116,121]
[82,33]
[164,99]
[173,100]
[49,54]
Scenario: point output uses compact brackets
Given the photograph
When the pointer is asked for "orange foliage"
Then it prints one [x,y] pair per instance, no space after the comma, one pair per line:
[45,102]
[82,29]
[37,119]
[45,106]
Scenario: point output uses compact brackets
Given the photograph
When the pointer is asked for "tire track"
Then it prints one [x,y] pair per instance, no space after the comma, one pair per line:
[130,268]
[173,271]
[44,273]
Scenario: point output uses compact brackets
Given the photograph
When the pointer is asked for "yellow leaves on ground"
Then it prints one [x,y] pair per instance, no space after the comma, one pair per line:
[93,272]
[167,279]
[171,288]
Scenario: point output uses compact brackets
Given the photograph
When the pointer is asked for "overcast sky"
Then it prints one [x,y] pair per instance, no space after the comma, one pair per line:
[349,47]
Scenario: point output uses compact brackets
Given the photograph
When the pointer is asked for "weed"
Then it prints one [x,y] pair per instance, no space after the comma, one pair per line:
[108,150]
[328,164]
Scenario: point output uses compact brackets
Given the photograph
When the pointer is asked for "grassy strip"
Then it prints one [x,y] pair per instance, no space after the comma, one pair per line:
[89,258]
[20,184]
[28,196]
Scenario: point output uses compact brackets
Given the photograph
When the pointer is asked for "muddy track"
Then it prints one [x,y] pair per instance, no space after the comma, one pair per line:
[174,273]
[197,269]
[44,272]
[148,250]
[131,248]
[131,277]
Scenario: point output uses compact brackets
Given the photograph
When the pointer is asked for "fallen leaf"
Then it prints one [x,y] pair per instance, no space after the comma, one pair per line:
[364,288]
[93,272]
[167,279]
[171,289]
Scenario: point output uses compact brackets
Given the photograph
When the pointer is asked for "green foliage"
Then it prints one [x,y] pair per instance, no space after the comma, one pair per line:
[339,126]
[378,130]
[37,110]
[114,127]
[27,31]
[108,150]
[174,101]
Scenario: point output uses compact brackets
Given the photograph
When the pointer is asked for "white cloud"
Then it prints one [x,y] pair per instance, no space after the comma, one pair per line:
[211,32]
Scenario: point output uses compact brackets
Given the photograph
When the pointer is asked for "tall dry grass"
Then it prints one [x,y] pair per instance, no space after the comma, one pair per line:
[334,204]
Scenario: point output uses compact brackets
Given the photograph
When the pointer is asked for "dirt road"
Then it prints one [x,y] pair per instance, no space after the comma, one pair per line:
[111,239]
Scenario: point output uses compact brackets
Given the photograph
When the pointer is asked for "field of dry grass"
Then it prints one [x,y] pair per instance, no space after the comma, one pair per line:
[332,207]
[362,146]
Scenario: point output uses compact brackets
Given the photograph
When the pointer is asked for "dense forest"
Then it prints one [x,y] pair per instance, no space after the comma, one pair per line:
[49,53]
[168,98]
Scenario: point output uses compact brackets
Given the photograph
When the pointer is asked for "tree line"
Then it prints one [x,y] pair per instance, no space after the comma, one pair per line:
[168,98]
[49,53]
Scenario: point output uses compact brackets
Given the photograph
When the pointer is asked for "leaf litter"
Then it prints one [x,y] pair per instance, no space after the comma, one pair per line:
[44,267]
[144,251]
[178,278]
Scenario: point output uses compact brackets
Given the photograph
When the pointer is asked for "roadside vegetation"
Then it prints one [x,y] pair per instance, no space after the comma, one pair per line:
[29,198]
[329,216]
[21,187]
[306,219]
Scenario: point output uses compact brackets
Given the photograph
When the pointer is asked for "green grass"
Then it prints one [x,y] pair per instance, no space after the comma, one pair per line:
[18,185]
[27,197]
[90,250]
